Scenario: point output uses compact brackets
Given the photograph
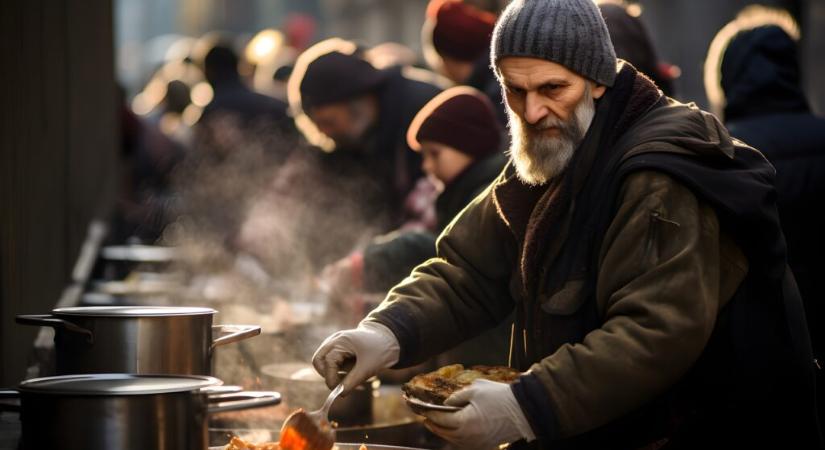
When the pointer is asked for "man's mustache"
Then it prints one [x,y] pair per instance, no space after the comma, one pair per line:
[545,124]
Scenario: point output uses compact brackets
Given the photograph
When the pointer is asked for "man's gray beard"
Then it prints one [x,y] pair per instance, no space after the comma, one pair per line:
[538,158]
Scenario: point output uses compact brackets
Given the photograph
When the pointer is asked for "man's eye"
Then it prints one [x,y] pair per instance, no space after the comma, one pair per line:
[548,89]
[515,90]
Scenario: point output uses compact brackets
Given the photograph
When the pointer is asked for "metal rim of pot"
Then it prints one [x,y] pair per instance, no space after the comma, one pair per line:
[235,332]
[80,324]
[221,398]
[352,446]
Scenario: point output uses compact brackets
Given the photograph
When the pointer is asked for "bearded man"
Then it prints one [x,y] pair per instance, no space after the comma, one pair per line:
[639,246]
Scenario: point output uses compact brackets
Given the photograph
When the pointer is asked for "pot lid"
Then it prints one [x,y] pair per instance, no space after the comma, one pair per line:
[132,311]
[116,384]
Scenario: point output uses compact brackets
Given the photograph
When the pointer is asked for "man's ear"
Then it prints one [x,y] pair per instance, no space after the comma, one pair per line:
[597,90]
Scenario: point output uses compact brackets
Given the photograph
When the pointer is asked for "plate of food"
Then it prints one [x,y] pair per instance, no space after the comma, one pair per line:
[429,391]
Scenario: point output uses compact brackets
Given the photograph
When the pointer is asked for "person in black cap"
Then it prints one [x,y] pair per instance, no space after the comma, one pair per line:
[360,112]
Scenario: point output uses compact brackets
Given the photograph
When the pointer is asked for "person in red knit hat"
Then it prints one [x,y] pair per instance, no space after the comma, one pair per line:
[461,148]
[456,42]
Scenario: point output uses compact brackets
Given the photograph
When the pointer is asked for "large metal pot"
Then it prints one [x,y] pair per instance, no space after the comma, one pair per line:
[142,340]
[125,412]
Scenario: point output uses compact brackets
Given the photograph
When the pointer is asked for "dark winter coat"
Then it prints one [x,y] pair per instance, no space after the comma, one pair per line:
[233,97]
[767,109]
[385,165]
[649,282]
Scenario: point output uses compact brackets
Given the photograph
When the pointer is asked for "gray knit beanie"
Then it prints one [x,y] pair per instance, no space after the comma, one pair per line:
[569,32]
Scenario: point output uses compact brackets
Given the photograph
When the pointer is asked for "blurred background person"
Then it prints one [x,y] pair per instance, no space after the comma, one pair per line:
[462,148]
[280,79]
[753,77]
[460,142]
[633,44]
[361,114]
[148,158]
[456,43]
[232,97]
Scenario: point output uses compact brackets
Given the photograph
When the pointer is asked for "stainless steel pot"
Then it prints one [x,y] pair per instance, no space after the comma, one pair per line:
[304,388]
[125,412]
[142,340]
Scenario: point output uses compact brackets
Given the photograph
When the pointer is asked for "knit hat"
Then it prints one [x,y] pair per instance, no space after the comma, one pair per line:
[460,31]
[568,32]
[460,117]
[335,77]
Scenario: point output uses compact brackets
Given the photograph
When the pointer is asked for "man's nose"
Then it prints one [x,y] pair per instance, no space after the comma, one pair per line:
[534,109]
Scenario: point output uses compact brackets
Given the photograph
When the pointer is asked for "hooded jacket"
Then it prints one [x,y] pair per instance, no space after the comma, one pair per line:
[767,109]
[649,283]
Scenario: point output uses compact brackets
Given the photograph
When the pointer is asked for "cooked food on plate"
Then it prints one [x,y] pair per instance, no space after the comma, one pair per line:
[435,387]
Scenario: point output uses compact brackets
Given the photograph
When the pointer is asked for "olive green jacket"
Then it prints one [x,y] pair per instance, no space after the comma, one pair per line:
[665,270]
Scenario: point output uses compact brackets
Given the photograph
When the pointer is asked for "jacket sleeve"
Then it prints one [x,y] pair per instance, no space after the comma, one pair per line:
[458,294]
[665,271]
[389,259]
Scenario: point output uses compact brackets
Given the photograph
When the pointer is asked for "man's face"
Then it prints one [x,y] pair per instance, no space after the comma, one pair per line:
[346,123]
[550,109]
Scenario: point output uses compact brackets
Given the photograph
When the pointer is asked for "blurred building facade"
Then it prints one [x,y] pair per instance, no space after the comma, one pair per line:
[681,29]
[58,154]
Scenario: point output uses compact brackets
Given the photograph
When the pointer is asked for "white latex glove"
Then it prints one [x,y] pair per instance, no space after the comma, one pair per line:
[491,417]
[372,345]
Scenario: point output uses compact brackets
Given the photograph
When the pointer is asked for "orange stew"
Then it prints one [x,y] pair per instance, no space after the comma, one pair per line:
[290,438]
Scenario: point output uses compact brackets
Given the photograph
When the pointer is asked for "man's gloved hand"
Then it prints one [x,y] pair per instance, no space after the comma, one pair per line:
[372,345]
[491,417]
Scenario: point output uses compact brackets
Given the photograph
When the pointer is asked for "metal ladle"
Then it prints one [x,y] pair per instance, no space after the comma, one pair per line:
[310,430]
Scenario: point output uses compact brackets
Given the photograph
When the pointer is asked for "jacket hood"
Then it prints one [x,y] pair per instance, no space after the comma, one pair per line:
[760,74]
[679,128]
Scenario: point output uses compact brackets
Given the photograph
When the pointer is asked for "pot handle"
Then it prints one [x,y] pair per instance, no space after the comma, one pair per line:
[9,393]
[48,320]
[235,333]
[242,400]
[216,391]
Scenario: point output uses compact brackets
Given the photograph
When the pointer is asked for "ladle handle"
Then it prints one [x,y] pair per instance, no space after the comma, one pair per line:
[332,396]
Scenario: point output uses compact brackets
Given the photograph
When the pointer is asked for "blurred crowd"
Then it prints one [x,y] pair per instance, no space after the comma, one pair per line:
[346,162]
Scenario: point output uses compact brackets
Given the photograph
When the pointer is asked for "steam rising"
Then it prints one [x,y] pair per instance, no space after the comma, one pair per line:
[260,214]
